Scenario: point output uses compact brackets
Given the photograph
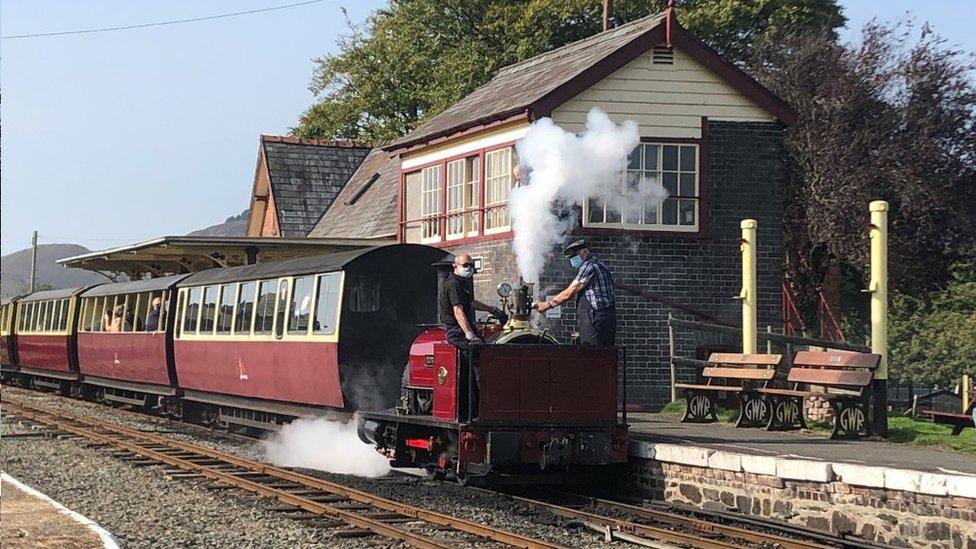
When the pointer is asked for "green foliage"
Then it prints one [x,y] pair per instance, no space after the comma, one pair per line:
[925,433]
[933,340]
[417,57]
[892,117]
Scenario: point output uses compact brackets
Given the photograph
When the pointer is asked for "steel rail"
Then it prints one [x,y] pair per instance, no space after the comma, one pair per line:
[432,517]
[629,529]
[702,525]
[375,526]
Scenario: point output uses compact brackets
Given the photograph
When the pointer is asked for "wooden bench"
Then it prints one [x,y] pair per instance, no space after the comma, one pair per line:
[957,420]
[843,378]
[741,374]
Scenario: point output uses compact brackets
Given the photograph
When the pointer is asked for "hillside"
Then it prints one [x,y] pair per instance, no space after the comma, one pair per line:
[233,226]
[15,270]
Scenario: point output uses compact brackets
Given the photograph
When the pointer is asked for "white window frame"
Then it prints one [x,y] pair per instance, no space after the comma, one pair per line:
[430,204]
[464,181]
[659,225]
[499,182]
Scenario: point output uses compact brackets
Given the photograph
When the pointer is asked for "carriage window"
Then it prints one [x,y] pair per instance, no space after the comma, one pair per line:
[180,303]
[127,302]
[209,309]
[365,294]
[326,304]
[225,311]
[42,318]
[94,316]
[192,310]
[54,310]
[63,317]
[245,308]
[301,305]
[163,311]
[264,309]
[280,310]
[28,319]
[84,320]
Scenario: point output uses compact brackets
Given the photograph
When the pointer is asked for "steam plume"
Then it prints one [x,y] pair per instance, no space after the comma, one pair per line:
[325,445]
[566,169]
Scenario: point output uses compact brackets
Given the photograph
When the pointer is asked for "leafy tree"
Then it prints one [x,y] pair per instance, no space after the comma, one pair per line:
[887,119]
[932,340]
[417,57]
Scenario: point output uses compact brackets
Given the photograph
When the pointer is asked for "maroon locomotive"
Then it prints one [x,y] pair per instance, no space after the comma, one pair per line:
[532,406]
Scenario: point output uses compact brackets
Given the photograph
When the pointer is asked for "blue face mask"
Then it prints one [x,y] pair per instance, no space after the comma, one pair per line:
[576,261]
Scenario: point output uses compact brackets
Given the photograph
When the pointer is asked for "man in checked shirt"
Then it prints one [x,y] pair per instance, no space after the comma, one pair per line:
[595,300]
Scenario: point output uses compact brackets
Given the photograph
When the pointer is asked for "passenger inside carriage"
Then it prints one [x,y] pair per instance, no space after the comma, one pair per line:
[115,324]
[152,319]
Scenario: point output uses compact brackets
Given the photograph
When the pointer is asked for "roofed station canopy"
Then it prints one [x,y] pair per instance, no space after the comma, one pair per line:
[169,255]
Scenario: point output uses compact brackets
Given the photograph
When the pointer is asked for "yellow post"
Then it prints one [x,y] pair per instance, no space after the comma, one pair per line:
[748,293]
[878,288]
[965,392]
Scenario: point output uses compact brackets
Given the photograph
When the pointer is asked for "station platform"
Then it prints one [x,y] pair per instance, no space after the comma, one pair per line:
[31,519]
[655,428]
[895,495]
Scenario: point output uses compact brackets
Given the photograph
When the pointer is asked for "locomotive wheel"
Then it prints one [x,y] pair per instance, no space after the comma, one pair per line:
[435,473]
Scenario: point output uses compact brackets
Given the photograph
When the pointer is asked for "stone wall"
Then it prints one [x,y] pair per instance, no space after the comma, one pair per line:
[745,178]
[834,502]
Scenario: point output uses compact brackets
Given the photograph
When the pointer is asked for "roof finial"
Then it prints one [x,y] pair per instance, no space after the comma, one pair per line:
[668,18]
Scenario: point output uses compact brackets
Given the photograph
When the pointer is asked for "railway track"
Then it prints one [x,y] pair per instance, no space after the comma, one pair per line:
[353,513]
[650,527]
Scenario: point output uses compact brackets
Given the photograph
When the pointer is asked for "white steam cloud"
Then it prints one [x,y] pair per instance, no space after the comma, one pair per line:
[563,169]
[326,445]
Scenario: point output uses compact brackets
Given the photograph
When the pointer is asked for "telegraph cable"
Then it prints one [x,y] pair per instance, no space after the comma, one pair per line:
[159,23]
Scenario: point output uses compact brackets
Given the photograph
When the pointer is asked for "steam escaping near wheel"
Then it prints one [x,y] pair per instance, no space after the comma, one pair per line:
[325,445]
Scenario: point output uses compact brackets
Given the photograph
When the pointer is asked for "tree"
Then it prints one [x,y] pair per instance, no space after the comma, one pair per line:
[932,339]
[418,57]
[883,120]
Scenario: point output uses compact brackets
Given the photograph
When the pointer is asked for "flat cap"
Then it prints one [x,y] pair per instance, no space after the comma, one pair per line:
[574,247]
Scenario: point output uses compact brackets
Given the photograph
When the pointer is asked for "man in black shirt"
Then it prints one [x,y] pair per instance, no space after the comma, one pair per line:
[457,304]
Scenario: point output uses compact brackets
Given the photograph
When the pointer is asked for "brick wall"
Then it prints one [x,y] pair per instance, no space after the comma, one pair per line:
[745,177]
[894,518]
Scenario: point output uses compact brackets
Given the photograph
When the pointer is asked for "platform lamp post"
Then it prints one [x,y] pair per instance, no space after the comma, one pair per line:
[878,288]
[748,294]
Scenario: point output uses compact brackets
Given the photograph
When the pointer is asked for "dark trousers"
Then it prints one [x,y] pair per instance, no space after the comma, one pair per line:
[455,336]
[596,326]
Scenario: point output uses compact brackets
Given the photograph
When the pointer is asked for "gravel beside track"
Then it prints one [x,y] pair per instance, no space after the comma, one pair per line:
[145,509]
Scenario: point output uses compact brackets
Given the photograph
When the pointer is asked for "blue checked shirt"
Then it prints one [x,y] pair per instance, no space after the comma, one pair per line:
[597,282]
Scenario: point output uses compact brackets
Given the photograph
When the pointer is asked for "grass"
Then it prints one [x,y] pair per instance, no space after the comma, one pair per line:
[901,429]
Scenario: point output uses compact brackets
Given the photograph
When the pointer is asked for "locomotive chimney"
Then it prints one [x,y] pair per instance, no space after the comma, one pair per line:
[523,301]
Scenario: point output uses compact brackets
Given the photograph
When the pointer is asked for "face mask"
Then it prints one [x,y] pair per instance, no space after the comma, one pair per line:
[576,261]
[465,272]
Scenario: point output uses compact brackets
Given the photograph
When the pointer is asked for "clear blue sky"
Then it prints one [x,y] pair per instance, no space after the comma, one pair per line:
[118,137]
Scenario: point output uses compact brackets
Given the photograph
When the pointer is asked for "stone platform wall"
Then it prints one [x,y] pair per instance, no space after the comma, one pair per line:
[913,509]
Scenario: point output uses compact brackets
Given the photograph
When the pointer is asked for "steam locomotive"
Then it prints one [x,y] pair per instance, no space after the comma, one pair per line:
[256,346]
[519,404]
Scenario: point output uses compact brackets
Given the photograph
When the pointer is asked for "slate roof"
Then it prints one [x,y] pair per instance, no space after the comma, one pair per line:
[366,207]
[306,175]
[516,87]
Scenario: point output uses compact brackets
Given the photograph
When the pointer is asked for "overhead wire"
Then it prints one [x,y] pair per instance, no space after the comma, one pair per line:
[160,23]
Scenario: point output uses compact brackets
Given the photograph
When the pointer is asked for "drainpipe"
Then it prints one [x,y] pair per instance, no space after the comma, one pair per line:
[878,288]
[748,294]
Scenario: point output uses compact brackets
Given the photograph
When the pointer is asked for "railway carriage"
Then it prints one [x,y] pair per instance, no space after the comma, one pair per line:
[8,342]
[135,364]
[258,344]
[46,332]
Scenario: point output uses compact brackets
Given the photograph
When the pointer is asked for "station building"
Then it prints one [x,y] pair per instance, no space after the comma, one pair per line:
[710,133]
